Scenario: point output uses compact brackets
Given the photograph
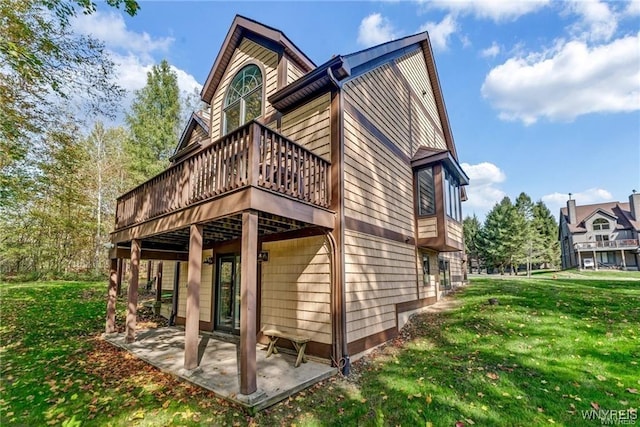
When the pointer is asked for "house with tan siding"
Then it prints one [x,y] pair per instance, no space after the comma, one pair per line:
[319,200]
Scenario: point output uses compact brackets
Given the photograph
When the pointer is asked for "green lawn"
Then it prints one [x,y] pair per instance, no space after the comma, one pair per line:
[551,349]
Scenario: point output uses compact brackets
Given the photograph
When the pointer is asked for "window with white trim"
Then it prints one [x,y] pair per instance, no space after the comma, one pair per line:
[244,98]
[600,224]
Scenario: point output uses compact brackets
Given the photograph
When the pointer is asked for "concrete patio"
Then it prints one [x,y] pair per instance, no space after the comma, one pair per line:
[218,371]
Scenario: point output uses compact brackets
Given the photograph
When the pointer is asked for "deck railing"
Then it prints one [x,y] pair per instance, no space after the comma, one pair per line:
[252,155]
[613,244]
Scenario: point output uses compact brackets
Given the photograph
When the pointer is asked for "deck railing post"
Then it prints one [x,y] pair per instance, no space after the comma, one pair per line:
[253,171]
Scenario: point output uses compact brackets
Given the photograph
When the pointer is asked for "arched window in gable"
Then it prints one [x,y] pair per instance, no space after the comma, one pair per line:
[244,98]
[600,224]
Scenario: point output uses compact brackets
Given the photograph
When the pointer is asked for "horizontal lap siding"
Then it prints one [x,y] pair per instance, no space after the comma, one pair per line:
[379,273]
[206,288]
[454,231]
[296,287]
[197,135]
[293,72]
[168,275]
[383,98]
[247,52]
[455,266]
[414,69]
[427,227]
[309,126]
[378,185]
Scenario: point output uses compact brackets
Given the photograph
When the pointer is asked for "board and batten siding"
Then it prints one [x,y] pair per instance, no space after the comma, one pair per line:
[246,53]
[414,68]
[309,126]
[296,287]
[378,185]
[379,274]
[206,288]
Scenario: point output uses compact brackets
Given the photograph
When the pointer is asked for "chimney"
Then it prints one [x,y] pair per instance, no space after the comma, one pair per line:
[634,205]
[571,210]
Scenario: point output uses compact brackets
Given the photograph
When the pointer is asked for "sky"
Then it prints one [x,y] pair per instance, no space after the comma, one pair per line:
[543,97]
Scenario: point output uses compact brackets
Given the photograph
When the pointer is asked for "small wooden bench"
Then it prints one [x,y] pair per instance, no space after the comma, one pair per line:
[299,343]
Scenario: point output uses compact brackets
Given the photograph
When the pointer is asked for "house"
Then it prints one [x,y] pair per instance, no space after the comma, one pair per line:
[600,235]
[322,200]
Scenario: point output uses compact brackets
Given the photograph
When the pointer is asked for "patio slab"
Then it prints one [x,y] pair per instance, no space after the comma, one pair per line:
[277,378]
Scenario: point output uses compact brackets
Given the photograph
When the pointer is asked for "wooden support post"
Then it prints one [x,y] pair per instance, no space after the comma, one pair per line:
[111,302]
[121,266]
[248,304]
[132,303]
[192,324]
[149,268]
[595,260]
[159,282]
[579,260]
[624,262]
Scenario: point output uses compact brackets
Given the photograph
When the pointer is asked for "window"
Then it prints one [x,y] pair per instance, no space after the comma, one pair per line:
[452,196]
[426,270]
[600,224]
[445,274]
[602,238]
[426,192]
[244,99]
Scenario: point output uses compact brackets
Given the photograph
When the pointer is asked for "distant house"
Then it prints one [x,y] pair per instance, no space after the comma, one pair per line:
[320,200]
[602,235]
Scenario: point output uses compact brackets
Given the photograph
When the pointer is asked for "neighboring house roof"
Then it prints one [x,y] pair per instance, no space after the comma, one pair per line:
[620,211]
[341,68]
[242,27]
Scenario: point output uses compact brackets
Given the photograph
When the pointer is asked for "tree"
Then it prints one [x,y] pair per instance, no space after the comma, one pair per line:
[524,207]
[546,227]
[154,123]
[45,69]
[500,237]
[471,229]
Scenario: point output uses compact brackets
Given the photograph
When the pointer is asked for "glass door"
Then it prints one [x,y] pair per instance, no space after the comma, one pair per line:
[228,294]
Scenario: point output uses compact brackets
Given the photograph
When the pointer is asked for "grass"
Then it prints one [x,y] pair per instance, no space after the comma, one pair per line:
[551,349]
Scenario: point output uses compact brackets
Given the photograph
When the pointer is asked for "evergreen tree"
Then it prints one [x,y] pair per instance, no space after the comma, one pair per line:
[500,237]
[471,228]
[546,227]
[154,123]
[524,207]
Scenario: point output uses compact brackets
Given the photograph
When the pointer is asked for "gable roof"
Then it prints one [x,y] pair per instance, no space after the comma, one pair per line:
[197,119]
[620,211]
[242,27]
[342,67]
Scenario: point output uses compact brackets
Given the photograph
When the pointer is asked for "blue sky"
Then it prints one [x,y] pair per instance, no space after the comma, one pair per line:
[543,96]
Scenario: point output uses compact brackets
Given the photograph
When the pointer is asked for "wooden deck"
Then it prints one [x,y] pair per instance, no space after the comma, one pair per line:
[250,168]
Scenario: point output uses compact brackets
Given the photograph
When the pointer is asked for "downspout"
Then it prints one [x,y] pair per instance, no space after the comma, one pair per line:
[345,362]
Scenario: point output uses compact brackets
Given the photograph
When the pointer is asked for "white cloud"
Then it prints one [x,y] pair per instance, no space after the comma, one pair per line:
[555,201]
[496,10]
[439,33]
[597,21]
[132,52]
[633,8]
[483,191]
[567,81]
[111,29]
[491,52]
[375,29]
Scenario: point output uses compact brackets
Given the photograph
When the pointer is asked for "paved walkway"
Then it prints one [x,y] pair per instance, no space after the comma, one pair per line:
[218,371]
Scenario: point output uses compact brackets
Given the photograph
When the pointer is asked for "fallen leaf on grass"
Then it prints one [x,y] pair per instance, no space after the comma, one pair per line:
[166,404]
[492,375]
[632,390]
[601,378]
[595,405]
[459,424]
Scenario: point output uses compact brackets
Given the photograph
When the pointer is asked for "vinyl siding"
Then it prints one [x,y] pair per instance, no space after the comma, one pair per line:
[426,291]
[247,52]
[427,227]
[296,287]
[309,126]
[206,288]
[378,185]
[413,67]
[379,274]
[293,72]
[454,231]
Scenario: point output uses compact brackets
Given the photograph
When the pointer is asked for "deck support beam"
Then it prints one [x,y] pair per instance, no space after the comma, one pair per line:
[132,294]
[112,295]
[121,265]
[192,323]
[248,302]
[159,282]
